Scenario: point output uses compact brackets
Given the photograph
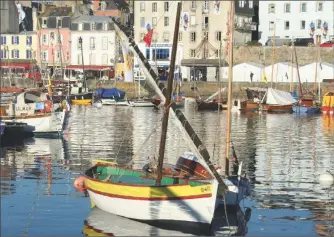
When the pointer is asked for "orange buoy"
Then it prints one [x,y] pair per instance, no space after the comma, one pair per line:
[79,184]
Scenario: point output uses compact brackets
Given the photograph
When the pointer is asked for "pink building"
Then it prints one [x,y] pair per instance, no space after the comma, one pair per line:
[55,36]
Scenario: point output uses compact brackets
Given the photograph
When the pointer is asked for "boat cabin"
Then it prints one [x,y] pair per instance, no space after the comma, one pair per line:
[29,103]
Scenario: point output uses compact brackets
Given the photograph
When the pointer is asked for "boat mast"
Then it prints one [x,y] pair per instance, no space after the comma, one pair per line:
[292,47]
[316,65]
[61,52]
[300,84]
[229,93]
[168,96]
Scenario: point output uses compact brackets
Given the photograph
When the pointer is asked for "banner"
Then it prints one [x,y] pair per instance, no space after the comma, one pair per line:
[127,65]
[217,7]
[185,21]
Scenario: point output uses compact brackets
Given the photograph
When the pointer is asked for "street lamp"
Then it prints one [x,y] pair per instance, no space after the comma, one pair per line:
[83,65]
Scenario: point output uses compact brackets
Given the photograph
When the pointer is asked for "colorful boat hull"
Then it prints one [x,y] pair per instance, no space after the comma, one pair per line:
[179,202]
[305,110]
[276,108]
[249,106]
[81,102]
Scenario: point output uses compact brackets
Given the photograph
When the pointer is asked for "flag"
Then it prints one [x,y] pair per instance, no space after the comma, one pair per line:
[148,38]
[286,75]
[265,78]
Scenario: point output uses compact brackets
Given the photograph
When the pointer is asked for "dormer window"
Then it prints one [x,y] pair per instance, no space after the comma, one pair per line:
[59,23]
[92,26]
[103,6]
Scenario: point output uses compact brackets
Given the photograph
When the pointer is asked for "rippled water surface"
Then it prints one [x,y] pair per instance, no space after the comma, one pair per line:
[283,156]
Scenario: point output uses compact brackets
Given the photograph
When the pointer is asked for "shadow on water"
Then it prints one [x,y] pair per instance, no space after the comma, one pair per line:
[106,224]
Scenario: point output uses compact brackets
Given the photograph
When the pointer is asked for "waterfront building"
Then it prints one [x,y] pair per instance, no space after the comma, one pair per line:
[203,26]
[296,19]
[98,44]
[9,17]
[55,36]
[19,50]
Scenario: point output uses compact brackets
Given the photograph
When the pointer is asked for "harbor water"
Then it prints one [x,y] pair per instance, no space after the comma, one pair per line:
[283,156]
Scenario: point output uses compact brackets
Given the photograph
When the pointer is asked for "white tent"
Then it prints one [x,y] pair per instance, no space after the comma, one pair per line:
[325,71]
[242,72]
[282,72]
[278,97]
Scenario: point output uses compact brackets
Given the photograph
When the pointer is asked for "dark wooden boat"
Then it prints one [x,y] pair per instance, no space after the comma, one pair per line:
[249,106]
[277,108]
[212,105]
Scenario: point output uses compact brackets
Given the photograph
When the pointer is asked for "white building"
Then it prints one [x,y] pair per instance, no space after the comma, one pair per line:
[98,43]
[308,72]
[294,19]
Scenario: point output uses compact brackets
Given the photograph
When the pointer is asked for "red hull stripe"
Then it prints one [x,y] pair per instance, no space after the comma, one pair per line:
[150,199]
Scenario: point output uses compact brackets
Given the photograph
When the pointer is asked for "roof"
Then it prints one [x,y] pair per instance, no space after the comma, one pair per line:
[21,33]
[56,11]
[96,19]
[115,5]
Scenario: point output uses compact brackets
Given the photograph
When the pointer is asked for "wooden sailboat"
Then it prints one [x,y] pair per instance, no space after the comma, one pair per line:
[140,101]
[178,193]
[306,104]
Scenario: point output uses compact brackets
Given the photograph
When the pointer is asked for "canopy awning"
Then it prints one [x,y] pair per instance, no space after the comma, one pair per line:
[21,65]
[91,67]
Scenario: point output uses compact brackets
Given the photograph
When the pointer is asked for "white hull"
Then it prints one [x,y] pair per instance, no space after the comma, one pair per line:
[191,210]
[114,102]
[48,124]
[141,104]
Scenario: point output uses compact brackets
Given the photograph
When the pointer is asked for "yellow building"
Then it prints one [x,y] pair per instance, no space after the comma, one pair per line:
[18,50]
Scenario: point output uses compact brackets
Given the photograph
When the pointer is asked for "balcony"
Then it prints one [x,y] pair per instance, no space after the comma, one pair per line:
[244,26]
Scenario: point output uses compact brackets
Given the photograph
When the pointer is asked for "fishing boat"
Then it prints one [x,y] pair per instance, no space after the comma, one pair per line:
[79,95]
[112,96]
[328,103]
[254,97]
[164,193]
[140,101]
[35,108]
[277,101]
[307,103]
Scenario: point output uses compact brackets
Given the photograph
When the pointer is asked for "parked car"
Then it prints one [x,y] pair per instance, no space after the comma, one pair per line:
[329,43]
[303,42]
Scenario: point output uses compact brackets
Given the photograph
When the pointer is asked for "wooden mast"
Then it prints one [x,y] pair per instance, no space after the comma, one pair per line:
[316,65]
[292,48]
[300,96]
[168,96]
[229,93]
[61,53]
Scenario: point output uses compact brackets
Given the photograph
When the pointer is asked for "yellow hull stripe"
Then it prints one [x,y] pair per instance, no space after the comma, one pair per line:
[81,102]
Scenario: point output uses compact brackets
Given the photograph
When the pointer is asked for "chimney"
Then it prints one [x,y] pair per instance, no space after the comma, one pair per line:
[34,19]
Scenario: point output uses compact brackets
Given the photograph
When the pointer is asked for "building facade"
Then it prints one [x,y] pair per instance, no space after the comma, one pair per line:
[98,43]
[296,19]
[55,36]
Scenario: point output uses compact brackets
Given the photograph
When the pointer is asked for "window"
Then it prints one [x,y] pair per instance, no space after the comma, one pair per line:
[320,6]
[241,3]
[303,7]
[271,8]
[3,53]
[44,55]
[162,54]
[166,36]
[193,4]
[15,53]
[250,3]
[44,39]
[193,20]
[217,53]
[206,35]
[104,43]
[287,8]
[92,42]
[105,26]
[166,6]
[218,35]
[59,23]
[193,36]
[78,43]
[105,59]
[318,24]
[154,7]
[154,21]
[28,54]
[302,25]
[206,22]
[206,5]
[59,38]
[15,40]
[271,26]
[3,40]
[142,6]
[29,40]
[92,59]
[180,36]
[286,25]
[58,55]
[92,26]
[166,21]
[142,22]
[148,54]
[192,53]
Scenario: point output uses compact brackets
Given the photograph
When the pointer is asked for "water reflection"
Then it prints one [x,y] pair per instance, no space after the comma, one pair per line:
[102,223]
